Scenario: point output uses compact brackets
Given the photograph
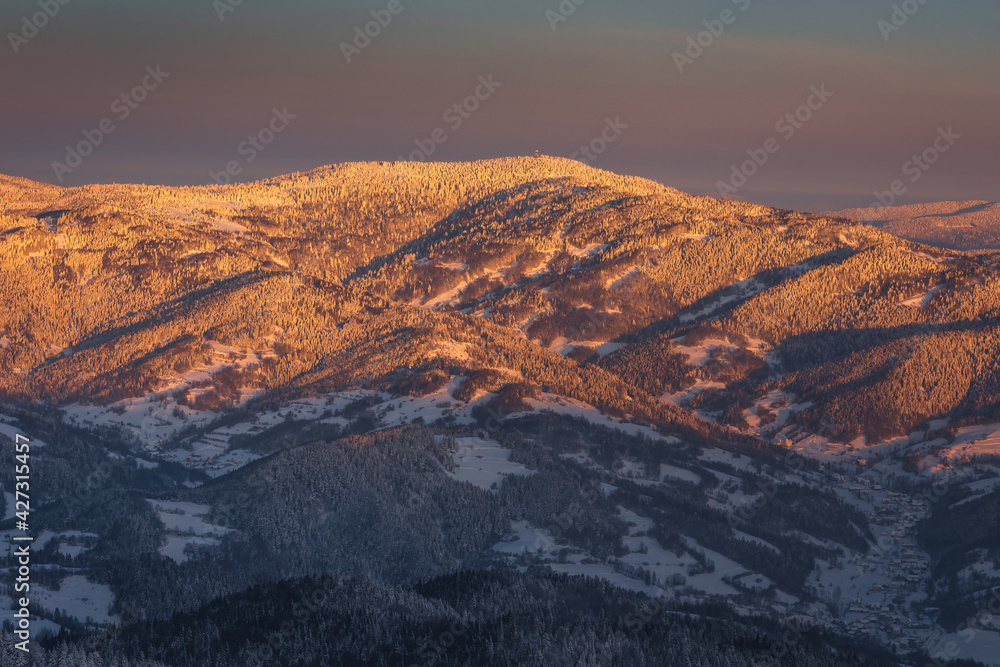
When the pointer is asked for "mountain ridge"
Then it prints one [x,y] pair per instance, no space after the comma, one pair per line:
[960,225]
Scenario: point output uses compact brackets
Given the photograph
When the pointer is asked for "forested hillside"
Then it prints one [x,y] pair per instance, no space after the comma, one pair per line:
[455,389]
[120,288]
[494,618]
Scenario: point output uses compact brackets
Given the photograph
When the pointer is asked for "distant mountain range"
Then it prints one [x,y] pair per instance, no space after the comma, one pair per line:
[965,225]
[395,373]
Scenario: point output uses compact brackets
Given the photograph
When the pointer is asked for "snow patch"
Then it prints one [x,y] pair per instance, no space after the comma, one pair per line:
[922,300]
[678,473]
[78,597]
[525,539]
[187,518]
[484,463]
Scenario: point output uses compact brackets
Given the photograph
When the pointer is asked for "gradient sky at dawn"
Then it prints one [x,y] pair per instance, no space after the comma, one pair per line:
[607,60]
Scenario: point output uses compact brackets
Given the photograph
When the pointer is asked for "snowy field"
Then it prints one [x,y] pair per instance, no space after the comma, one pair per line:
[186,518]
[12,432]
[186,526]
[39,627]
[573,408]
[484,463]
[176,547]
[78,597]
[70,542]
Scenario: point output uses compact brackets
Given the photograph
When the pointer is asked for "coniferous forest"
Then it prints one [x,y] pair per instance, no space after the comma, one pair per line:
[515,412]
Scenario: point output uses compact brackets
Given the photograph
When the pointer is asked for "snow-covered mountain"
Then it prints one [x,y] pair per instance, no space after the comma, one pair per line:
[398,372]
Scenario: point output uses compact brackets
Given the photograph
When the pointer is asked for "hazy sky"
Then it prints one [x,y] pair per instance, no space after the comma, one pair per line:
[891,91]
